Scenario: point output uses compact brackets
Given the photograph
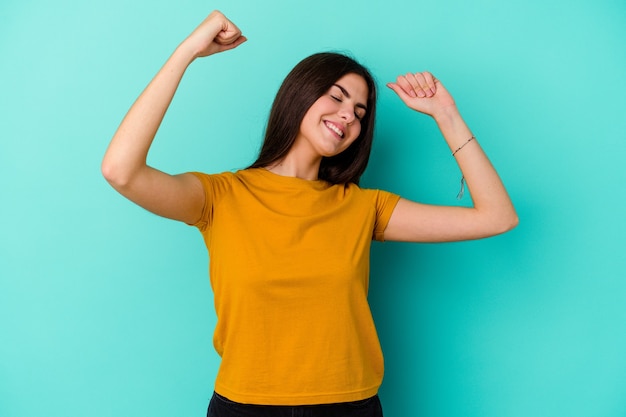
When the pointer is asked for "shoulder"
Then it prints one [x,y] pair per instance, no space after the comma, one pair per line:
[215,184]
[376,195]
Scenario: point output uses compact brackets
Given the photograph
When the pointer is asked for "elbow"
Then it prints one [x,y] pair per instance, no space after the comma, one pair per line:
[114,174]
[512,223]
[498,222]
[507,223]
[108,171]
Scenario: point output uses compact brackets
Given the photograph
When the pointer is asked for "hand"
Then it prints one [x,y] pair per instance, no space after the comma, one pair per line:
[215,34]
[422,92]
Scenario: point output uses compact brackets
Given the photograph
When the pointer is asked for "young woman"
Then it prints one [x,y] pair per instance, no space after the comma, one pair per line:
[289,237]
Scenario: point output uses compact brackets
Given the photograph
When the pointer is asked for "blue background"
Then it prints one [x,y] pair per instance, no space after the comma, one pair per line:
[106,310]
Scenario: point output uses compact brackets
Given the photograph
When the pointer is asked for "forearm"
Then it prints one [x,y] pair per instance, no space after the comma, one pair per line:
[493,212]
[128,150]
[489,195]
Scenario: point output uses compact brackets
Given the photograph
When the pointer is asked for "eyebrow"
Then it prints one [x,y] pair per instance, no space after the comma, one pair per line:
[345,93]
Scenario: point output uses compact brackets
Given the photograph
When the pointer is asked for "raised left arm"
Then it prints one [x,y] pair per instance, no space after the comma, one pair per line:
[492,212]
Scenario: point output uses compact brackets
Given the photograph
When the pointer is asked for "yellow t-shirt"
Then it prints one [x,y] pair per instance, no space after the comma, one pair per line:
[289,268]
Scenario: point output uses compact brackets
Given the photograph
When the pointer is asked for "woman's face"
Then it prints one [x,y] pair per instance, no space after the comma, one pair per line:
[333,122]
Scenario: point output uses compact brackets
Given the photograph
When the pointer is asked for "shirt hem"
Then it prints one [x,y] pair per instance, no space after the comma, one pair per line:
[296,400]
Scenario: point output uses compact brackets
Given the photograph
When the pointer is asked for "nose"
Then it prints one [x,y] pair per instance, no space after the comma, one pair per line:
[347,114]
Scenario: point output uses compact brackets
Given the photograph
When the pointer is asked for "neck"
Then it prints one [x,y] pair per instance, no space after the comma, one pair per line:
[291,166]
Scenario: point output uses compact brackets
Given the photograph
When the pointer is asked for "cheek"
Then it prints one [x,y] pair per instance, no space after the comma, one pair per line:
[356,130]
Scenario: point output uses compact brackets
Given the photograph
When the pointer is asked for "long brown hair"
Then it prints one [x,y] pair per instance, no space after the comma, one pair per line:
[308,81]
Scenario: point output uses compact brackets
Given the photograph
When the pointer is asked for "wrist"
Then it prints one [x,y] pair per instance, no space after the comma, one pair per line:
[447,115]
[185,52]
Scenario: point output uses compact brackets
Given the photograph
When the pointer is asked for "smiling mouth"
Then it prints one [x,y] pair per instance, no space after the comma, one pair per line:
[335,129]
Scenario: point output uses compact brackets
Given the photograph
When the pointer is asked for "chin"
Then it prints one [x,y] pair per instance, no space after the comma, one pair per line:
[331,154]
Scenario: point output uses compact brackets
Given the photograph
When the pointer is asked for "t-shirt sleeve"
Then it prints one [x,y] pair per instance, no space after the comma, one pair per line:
[385,203]
[215,186]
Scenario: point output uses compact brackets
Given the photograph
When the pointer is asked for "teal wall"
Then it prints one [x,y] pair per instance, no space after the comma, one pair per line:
[106,310]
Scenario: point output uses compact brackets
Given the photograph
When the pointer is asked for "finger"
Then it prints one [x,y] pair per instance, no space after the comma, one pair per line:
[224,40]
[234,44]
[405,84]
[415,85]
[228,35]
[430,81]
[423,84]
[401,92]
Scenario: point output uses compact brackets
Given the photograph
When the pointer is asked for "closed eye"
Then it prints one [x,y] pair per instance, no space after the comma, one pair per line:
[359,115]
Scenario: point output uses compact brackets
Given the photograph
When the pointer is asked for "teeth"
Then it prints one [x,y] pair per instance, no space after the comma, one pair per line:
[334,129]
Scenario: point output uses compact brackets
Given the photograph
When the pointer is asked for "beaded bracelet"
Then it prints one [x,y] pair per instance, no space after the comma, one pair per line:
[462,146]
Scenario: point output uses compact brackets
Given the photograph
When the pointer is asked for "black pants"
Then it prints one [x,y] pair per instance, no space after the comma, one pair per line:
[223,407]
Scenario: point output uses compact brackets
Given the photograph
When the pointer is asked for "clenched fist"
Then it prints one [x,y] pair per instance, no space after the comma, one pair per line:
[215,34]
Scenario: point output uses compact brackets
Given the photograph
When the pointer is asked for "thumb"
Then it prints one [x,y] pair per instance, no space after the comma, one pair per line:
[234,44]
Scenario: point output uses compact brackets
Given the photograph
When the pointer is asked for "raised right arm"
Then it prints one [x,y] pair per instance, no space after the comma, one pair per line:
[178,197]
